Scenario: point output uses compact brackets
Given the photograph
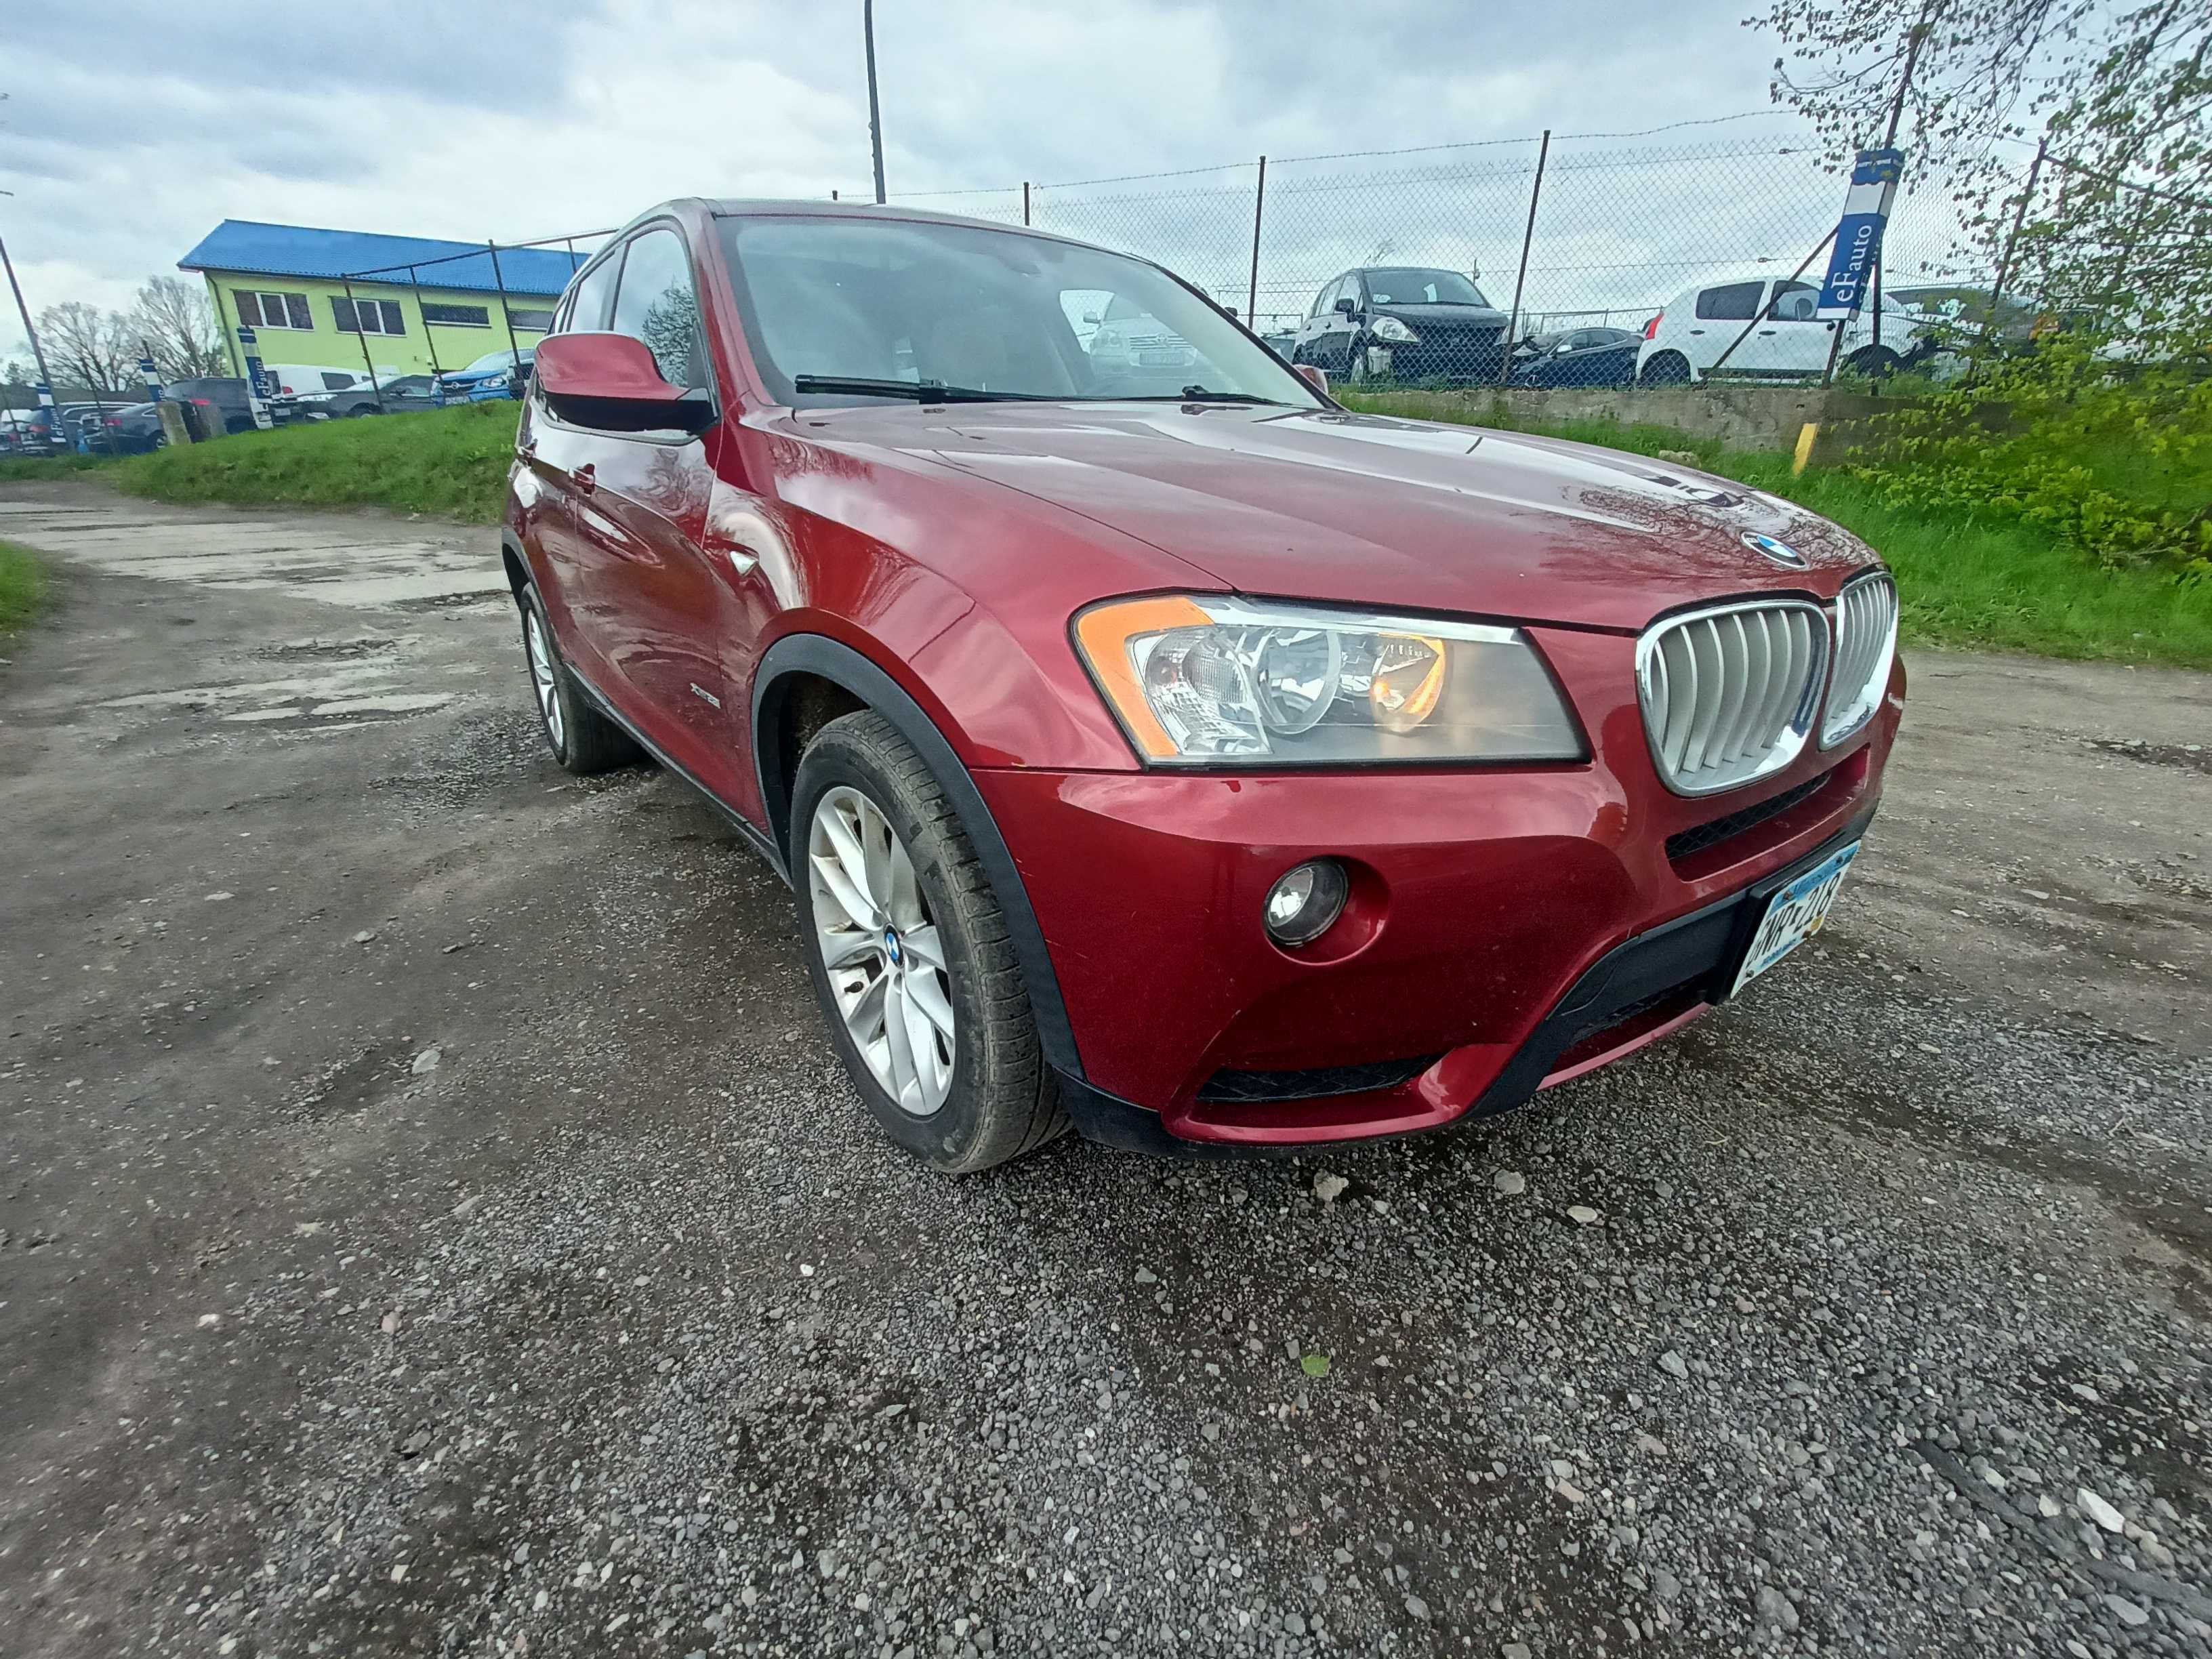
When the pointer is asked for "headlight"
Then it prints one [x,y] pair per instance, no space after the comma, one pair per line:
[1390,329]
[1207,680]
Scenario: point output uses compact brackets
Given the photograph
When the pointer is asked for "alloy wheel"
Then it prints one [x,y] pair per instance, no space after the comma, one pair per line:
[881,950]
[542,679]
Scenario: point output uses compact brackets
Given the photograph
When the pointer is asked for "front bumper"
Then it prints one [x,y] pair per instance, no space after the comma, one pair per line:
[1508,928]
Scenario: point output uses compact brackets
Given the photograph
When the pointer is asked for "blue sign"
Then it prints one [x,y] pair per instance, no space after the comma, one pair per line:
[1858,233]
[152,376]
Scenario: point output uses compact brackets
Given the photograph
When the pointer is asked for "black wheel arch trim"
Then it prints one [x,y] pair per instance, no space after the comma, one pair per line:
[841,665]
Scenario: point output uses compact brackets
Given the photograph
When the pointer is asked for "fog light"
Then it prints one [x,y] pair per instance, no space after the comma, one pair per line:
[1303,904]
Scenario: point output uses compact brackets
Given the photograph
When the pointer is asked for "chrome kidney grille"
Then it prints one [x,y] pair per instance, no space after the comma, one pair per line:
[1729,694]
[1866,643]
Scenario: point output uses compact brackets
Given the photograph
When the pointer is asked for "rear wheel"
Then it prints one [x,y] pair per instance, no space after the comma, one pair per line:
[582,740]
[1872,362]
[909,954]
[1666,368]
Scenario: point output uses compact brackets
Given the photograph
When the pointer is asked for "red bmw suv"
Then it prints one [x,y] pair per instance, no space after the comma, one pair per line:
[1151,744]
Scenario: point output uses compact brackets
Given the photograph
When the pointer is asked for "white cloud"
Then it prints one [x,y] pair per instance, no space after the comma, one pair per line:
[131,128]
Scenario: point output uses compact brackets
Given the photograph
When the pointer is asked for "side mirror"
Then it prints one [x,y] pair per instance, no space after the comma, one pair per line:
[610,381]
[1314,376]
[1347,307]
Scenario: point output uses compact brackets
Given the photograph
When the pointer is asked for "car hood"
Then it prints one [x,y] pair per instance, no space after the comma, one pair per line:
[1363,509]
[1414,315]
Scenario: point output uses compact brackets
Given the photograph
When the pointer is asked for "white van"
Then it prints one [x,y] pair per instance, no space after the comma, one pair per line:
[298,379]
[1785,341]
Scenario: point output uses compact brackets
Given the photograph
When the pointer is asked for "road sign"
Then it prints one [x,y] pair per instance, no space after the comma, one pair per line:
[257,378]
[1858,233]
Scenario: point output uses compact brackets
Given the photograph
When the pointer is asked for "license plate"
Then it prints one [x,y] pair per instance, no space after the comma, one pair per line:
[1794,915]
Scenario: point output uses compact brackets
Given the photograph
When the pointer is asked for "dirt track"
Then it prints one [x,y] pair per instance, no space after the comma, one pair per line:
[431,1217]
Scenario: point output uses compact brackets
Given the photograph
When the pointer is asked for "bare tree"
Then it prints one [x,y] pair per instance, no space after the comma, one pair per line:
[88,346]
[173,317]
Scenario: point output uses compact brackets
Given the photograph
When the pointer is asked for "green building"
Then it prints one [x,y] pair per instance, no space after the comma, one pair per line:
[349,301]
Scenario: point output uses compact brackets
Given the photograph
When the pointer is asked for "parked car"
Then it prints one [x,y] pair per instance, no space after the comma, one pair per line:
[132,430]
[311,379]
[1403,323]
[1203,767]
[1575,357]
[402,394]
[492,376]
[222,393]
[1685,342]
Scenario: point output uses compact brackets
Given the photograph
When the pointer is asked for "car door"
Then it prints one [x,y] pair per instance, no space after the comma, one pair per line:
[1790,341]
[551,457]
[658,606]
[1719,316]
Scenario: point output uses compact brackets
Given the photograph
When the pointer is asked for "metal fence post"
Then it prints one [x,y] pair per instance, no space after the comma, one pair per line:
[429,340]
[354,305]
[513,348]
[1528,236]
[1259,206]
[1025,201]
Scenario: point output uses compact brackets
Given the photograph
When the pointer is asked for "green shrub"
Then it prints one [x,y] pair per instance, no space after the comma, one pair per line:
[22,585]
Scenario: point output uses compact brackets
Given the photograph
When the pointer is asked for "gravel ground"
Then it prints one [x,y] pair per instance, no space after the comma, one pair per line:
[434,1221]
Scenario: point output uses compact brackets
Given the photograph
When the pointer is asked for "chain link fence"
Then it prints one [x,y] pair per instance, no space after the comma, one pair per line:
[1560,232]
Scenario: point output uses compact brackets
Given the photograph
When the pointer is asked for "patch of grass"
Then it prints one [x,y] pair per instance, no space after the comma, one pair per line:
[28,468]
[22,585]
[451,462]
[1965,578]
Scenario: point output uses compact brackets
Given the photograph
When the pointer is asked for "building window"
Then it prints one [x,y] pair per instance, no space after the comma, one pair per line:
[259,310]
[531,322]
[456,316]
[368,316]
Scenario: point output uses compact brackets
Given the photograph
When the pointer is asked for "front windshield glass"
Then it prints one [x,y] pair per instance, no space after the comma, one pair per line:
[1400,286]
[488,362]
[989,311]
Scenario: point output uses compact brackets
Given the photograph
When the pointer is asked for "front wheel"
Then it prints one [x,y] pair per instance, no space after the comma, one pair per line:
[1357,372]
[908,951]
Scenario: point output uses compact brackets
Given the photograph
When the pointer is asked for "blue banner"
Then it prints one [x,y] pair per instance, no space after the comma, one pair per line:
[1858,233]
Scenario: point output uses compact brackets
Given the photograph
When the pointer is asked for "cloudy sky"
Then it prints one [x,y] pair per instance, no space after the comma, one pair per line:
[130,127]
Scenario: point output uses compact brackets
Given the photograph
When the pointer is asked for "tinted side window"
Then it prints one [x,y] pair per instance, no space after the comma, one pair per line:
[1795,303]
[1321,300]
[593,295]
[655,303]
[1735,302]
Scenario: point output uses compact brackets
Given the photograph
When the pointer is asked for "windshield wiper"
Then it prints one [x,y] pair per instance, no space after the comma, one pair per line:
[1199,394]
[921,391]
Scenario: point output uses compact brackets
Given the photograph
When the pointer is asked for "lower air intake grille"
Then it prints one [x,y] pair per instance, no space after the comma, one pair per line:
[1315,1083]
[1682,845]
[1728,694]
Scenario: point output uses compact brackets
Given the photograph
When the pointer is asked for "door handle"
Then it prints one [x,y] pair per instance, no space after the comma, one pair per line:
[1766,331]
[587,477]
[1697,331]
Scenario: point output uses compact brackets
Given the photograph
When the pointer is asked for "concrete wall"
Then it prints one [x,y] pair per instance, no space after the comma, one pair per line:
[1740,417]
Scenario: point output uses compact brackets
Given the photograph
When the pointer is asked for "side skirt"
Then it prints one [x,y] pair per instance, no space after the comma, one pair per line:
[751,833]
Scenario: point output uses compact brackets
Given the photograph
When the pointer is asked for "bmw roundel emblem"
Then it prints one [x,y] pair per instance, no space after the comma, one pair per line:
[1781,552]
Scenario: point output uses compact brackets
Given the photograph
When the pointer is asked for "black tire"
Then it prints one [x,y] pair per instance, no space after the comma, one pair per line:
[1355,371]
[1002,1100]
[583,740]
[1872,362]
[1666,368]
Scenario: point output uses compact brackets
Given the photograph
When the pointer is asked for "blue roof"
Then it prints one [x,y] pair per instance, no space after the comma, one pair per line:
[247,245]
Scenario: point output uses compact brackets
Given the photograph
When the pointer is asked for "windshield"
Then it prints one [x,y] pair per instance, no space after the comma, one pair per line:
[992,311]
[488,362]
[1407,287]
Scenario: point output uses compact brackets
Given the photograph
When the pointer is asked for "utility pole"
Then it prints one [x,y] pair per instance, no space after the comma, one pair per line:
[38,353]
[875,111]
